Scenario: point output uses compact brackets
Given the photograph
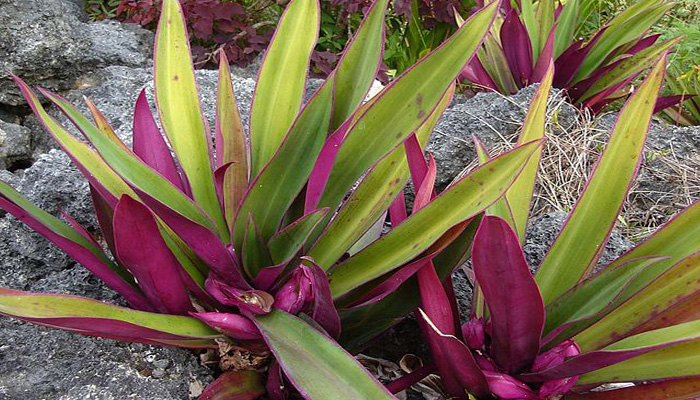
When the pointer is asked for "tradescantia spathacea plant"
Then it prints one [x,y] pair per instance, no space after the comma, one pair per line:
[575,327]
[594,72]
[265,242]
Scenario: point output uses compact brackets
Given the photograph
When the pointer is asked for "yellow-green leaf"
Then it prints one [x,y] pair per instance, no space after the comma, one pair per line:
[580,242]
[280,87]
[469,196]
[180,114]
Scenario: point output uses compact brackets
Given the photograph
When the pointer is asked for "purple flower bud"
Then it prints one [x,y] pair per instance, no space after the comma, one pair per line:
[473,332]
[508,388]
[232,325]
[296,293]
[557,388]
[253,301]
[555,356]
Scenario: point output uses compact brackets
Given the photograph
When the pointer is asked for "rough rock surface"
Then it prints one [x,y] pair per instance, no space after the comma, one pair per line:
[41,363]
[491,117]
[45,42]
[15,146]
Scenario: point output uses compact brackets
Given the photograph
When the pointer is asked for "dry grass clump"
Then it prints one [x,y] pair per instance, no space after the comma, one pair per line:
[667,181]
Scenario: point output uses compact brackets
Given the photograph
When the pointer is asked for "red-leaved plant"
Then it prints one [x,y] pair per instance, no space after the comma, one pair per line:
[593,72]
[574,328]
[260,243]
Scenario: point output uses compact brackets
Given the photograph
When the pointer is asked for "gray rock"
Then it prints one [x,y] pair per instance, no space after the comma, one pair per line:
[42,363]
[45,364]
[15,146]
[46,43]
[492,117]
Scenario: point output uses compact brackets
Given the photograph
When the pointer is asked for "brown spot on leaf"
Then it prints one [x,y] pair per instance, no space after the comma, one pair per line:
[421,114]
[176,78]
[419,99]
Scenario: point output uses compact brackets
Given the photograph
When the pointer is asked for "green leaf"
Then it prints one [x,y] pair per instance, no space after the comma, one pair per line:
[463,200]
[372,197]
[232,146]
[565,32]
[81,153]
[527,14]
[519,195]
[581,240]
[317,366]
[627,26]
[287,242]
[364,323]
[256,256]
[180,114]
[403,106]
[676,360]
[501,207]
[545,22]
[669,291]
[131,168]
[629,67]
[280,87]
[358,66]
[279,183]
[48,307]
[595,294]
[677,239]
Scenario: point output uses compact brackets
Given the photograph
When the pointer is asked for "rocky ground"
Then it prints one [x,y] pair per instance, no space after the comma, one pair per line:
[49,43]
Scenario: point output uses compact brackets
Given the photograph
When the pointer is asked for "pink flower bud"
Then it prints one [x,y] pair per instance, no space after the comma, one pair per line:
[473,332]
[296,293]
[555,356]
[253,301]
[508,388]
[557,388]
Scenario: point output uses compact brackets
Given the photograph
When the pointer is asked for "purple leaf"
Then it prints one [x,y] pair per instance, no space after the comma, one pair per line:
[324,164]
[545,60]
[508,388]
[455,362]
[79,228]
[267,276]
[235,385]
[232,325]
[83,256]
[517,48]
[592,361]
[275,383]
[665,102]
[295,293]
[220,179]
[142,249]
[510,292]
[205,243]
[416,160]
[475,72]
[104,213]
[324,311]
[397,210]
[570,61]
[643,44]
[149,144]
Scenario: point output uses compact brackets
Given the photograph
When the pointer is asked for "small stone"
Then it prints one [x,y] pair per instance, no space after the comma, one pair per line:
[158,373]
[162,364]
